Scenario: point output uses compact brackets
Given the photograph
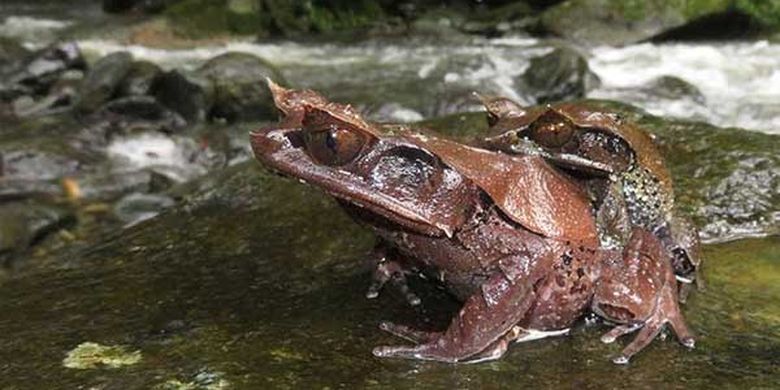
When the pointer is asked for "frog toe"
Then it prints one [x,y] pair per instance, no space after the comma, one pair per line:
[405,332]
[621,359]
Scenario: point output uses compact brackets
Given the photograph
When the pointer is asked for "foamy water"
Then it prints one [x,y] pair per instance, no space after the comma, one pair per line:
[740,81]
[30,29]
[172,155]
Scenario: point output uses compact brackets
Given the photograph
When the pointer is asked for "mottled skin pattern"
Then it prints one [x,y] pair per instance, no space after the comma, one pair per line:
[521,263]
[618,163]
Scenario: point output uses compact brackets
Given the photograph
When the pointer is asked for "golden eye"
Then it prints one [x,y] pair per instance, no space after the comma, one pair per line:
[552,131]
[334,146]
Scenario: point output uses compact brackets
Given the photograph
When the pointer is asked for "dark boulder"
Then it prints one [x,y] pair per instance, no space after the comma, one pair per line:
[182,93]
[671,87]
[139,79]
[102,80]
[237,80]
[142,109]
[562,74]
[23,224]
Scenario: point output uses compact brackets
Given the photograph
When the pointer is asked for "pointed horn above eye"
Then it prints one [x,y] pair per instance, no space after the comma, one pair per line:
[280,94]
[481,98]
[501,106]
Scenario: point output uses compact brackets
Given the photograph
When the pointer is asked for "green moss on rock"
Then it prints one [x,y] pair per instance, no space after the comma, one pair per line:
[93,355]
[628,21]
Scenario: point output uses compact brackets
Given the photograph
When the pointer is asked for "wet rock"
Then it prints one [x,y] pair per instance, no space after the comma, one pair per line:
[102,80]
[46,65]
[61,97]
[562,74]
[22,224]
[36,163]
[93,355]
[234,79]
[187,95]
[136,207]
[671,87]
[11,54]
[134,113]
[139,79]
[126,116]
[745,201]
[621,22]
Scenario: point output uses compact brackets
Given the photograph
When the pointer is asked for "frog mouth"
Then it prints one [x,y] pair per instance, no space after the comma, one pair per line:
[282,151]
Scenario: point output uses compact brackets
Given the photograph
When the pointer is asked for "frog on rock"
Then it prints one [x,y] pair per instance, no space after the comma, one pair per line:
[511,237]
[619,163]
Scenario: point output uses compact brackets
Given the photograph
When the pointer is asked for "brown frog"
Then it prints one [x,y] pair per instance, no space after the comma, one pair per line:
[510,236]
[620,164]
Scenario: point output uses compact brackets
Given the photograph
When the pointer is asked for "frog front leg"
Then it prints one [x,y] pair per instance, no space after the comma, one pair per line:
[639,292]
[478,332]
[387,267]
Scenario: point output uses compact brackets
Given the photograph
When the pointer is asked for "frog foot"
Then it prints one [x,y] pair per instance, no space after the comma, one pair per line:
[481,331]
[667,312]
[405,332]
[391,271]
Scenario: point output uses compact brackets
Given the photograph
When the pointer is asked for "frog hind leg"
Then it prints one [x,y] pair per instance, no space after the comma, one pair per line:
[477,332]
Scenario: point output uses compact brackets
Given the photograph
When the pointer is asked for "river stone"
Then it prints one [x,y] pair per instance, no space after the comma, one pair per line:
[237,80]
[136,207]
[44,67]
[103,79]
[671,87]
[139,79]
[562,74]
[188,94]
[23,224]
[141,112]
[611,22]
[36,163]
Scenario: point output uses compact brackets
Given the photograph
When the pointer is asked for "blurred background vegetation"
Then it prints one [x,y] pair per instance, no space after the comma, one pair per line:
[568,18]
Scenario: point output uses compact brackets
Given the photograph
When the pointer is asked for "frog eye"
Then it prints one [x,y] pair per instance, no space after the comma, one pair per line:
[333,145]
[552,132]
